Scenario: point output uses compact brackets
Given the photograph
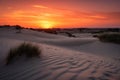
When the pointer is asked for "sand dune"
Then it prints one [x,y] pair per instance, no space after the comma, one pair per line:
[58,60]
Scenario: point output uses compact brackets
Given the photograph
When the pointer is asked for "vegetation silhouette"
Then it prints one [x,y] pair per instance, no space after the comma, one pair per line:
[19,28]
[25,49]
[110,37]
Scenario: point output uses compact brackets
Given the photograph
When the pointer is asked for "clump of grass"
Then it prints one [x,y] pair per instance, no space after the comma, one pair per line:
[95,35]
[25,49]
[70,34]
[110,37]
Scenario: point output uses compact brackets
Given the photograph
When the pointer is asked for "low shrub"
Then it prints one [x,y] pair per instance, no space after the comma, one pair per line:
[110,37]
[95,35]
[19,28]
[70,34]
[25,49]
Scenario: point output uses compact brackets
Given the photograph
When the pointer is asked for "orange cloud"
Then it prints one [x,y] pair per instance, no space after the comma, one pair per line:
[39,6]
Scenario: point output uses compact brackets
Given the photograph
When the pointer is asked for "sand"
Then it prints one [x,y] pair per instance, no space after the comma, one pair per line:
[62,58]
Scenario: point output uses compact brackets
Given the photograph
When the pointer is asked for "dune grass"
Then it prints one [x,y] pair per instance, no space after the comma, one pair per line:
[110,37]
[25,49]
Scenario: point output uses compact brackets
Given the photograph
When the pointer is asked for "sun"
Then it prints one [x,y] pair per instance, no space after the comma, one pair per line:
[46,24]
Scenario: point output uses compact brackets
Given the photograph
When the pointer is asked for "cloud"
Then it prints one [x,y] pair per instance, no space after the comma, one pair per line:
[39,6]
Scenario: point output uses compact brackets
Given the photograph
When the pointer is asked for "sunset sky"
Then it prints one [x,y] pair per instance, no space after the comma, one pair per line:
[60,13]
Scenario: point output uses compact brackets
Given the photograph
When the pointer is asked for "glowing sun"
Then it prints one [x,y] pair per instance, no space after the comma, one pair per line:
[46,24]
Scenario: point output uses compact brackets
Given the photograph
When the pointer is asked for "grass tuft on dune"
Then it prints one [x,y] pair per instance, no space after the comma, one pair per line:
[25,49]
[110,37]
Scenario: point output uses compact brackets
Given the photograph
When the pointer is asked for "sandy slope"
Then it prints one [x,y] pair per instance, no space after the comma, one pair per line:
[61,58]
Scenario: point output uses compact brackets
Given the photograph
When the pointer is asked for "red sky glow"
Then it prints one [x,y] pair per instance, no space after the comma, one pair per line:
[60,13]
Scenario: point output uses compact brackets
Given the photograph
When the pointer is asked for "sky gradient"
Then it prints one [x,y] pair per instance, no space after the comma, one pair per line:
[60,13]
